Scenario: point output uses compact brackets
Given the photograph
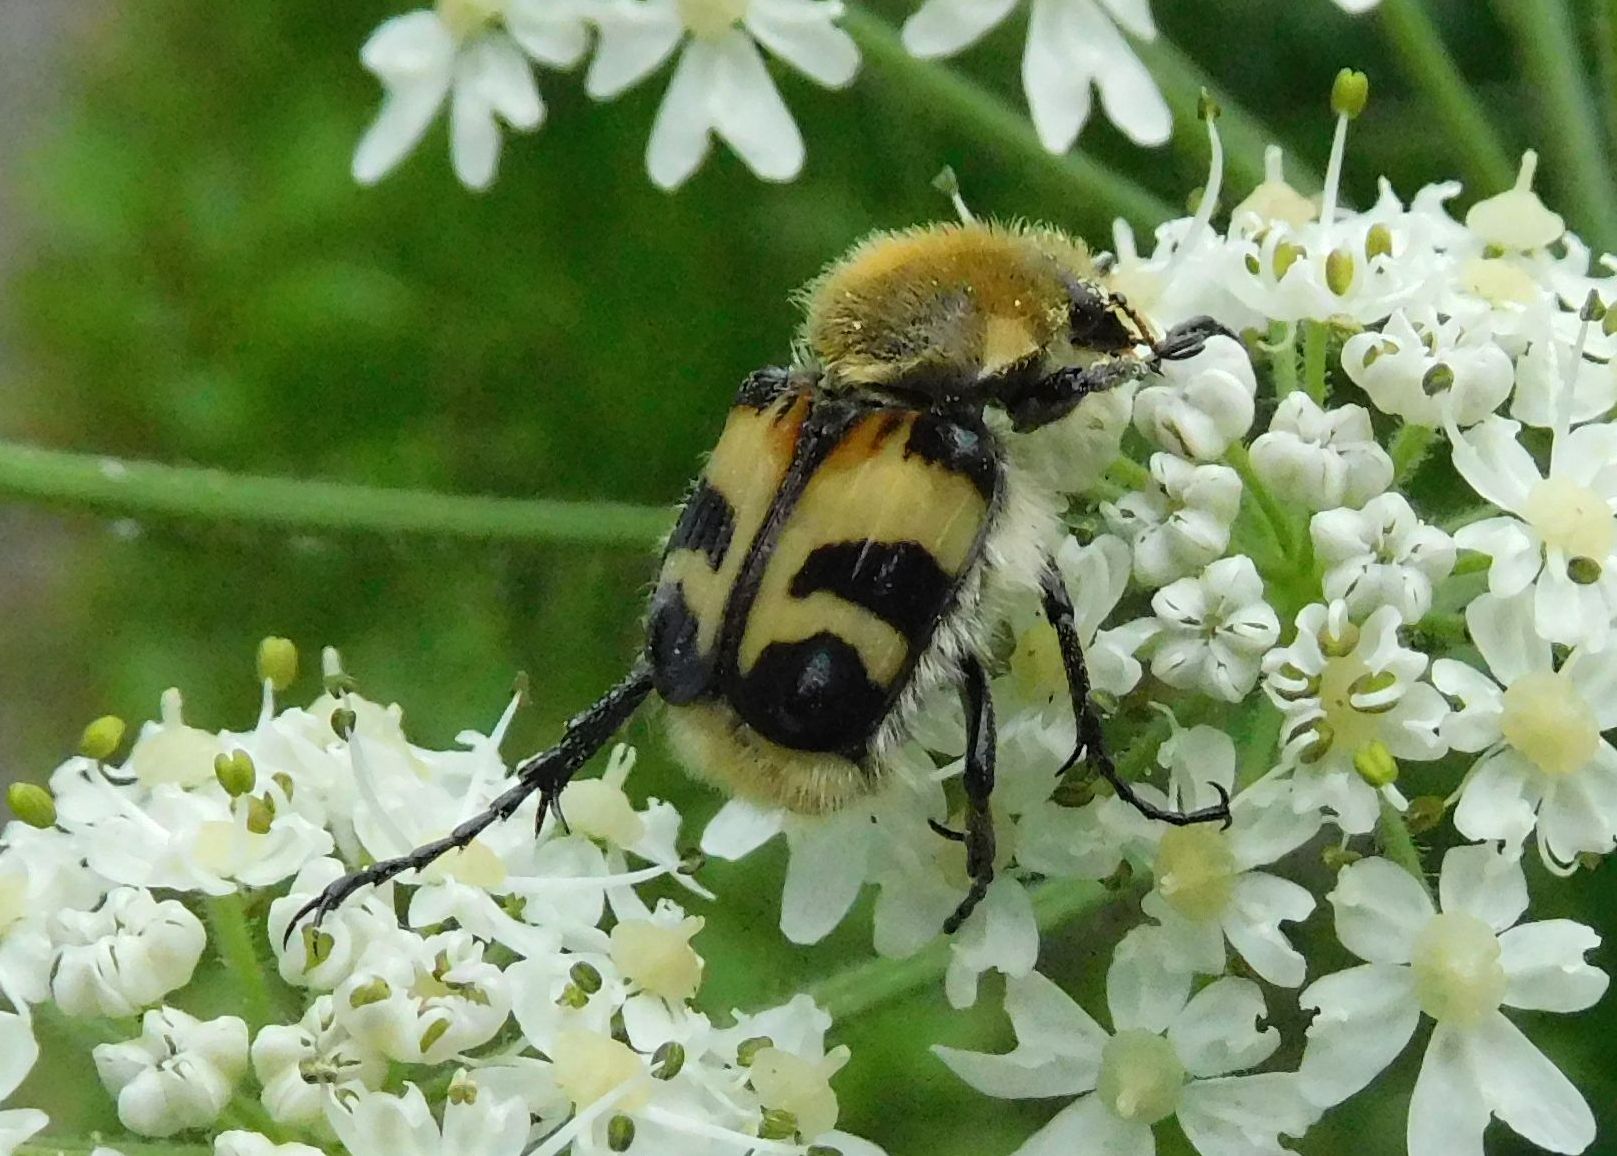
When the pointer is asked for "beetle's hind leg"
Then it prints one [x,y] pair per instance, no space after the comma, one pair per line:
[978,780]
[1187,339]
[545,774]
[1091,742]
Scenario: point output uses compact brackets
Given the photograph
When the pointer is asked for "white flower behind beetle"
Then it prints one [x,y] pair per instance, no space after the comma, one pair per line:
[1212,631]
[475,1124]
[1460,967]
[1382,555]
[1559,535]
[1539,727]
[1169,1054]
[720,85]
[1203,404]
[1181,523]
[1072,47]
[125,955]
[1321,458]
[179,1073]
[471,53]
[1353,703]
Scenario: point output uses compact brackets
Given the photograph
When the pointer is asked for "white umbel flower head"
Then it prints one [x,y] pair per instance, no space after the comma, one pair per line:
[1181,523]
[303,1066]
[420,1001]
[1204,403]
[1349,692]
[473,53]
[125,955]
[1422,366]
[179,1073]
[1168,1055]
[1321,458]
[1382,555]
[1072,47]
[474,1124]
[1212,631]
[1539,727]
[1459,966]
[720,85]
[1559,535]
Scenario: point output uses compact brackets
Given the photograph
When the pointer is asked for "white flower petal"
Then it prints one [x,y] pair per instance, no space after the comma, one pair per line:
[1260,904]
[945,27]
[1482,882]
[680,132]
[633,40]
[1380,909]
[804,37]
[1525,1089]
[1144,989]
[1366,1016]
[1217,1032]
[739,829]
[1447,1113]
[823,877]
[1545,968]
[1088,1126]
[1242,1115]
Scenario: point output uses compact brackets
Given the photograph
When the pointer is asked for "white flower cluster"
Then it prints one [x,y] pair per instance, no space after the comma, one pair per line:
[479,57]
[1358,569]
[530,1000]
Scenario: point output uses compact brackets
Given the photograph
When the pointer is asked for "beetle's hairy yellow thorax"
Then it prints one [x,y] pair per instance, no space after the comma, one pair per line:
[959,302]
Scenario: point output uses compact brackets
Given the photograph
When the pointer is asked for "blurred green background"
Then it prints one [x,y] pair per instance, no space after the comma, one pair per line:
[191,276]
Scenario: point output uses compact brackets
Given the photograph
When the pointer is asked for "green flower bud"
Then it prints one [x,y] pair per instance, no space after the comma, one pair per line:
[1339,272]
[462,1089]
[235,772]
[667,1060]
[277,662]
[1350,92]
[747,1049]
[102,737]
[619,1133]
[1375,764]
[32,804]
[777,1124]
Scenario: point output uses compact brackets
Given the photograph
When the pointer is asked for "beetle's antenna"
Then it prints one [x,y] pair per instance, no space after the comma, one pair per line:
[949,185]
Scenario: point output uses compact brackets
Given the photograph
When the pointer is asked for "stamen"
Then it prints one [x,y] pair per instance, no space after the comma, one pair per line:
[949,185]
[1348,95]
[1208,109]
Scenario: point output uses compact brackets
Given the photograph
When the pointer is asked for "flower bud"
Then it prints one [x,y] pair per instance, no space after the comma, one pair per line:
[277,662]
[1375,765]
[1350,92]
[32,804]
[235,772]
[102,737]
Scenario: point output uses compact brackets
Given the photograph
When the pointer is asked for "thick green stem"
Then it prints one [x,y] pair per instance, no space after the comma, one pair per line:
[1182,82]
[936,89]
[1316,348]
[1274,515]
[1398,844]
[148,490]
[1410,447]
[1281,347]
[873,982]
[1572,139]
[1467,127]
[232,939]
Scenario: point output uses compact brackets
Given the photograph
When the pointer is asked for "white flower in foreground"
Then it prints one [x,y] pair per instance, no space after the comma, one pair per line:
[1382,555]
[302,1066]
[124,956]
[1559,534]
[1169,1055]
[471,53]
[179,1073]
[1350,693]
[1181,523]
[1212,631]
[343,936]
[1205,886]
[18,1052]
[1459,967]
[720,86]
[42,874]
[1539,727]
[1321,458]
[1541,376]
[239,1143]
[1072,45]
[475,1124]
[1422,366]
[1203,404]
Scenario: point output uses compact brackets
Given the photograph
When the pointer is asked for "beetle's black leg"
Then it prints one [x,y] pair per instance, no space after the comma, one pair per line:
[546,773]
[1057,394]
[1091,742]
[979,783]
[1187,338]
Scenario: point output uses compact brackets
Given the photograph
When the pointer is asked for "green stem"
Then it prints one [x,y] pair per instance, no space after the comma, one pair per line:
[1398,844]
[936,89]
[233,940]
[1182,81]
[1282,350]
[1410,445]
[48,1145]
[149,490]
[1280,525]
[1603,31]
[1472,564]
[873,982]
[1552,66]
[1466,125]
[1316,347]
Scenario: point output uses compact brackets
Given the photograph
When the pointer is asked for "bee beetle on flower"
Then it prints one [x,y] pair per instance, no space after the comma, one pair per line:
[861,517]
